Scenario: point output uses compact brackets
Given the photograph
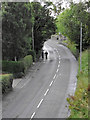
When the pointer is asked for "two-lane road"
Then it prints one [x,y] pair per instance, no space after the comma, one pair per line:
[42,95]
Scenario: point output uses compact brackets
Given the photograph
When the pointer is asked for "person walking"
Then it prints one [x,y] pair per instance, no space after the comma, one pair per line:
[42,54]
[46,54]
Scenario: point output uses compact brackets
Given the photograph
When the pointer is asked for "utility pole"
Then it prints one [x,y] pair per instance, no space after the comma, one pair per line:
[81,47]
[32,38]
[32,28]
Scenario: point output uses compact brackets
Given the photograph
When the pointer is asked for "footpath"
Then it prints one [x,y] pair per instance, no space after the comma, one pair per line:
[35,66]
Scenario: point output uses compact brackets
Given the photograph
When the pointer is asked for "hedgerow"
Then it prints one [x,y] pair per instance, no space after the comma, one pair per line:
[6,81]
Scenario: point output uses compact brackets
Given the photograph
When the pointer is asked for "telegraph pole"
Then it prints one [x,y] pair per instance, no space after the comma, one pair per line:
[32,28]
[32,38]
[81,47]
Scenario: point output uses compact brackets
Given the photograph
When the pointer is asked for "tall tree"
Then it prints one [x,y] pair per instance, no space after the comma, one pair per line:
[69,21]
[44,25]
[16,26]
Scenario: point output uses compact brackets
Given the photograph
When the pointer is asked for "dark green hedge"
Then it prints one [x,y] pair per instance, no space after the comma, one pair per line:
[12,66]
[27,62]
[18,68]
[6,81]
[33,54]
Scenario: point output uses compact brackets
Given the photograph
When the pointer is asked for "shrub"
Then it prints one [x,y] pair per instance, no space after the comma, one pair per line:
[18,68]
[27,61]
[6,81]
[72,47]
[12,66]
[33,54]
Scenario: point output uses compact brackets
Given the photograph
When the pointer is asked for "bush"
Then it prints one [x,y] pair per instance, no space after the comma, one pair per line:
[27,61]
[33,54]
[6,81]
[12,66]
[72,47]
[18,68]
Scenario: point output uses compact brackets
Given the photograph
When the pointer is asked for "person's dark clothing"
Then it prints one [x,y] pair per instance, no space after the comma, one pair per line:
[42,55]
[46,53]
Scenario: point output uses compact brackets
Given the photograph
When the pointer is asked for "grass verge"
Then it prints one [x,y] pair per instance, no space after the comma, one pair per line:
[78,104]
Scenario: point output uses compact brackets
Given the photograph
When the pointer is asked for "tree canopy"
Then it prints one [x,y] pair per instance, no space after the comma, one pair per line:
[18,18]
[68,23]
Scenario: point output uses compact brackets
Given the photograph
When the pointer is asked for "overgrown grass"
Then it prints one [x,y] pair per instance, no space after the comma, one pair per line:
[78,104]
[72,46]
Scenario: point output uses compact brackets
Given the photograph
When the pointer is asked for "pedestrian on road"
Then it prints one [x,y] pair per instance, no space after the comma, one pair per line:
[46,54]
[42,54]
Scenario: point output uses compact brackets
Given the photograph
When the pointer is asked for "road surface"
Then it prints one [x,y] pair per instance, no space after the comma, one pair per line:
[42,93]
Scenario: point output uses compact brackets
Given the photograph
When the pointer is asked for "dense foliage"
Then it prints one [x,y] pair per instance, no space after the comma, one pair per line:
[44,25]
[6,80]
[18,68]
[18,19]
[68,23]
[78,104]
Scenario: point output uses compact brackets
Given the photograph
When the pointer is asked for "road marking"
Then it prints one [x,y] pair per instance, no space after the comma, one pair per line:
[58,66]
[51,83]
[32,115]
[40,103]
[59,62]
[24,84]
[46,92]
[57,70]
[54,76]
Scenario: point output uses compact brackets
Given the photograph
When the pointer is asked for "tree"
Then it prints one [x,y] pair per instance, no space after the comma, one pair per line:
[44,25]
[16,26]
[68,23]
[18,19]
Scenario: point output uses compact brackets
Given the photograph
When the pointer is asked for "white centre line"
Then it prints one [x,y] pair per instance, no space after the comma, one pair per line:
[59,62]
[32,115]
[57,70]
[51,83]
[46,92]
[58,66]
[54,76]
[40,103]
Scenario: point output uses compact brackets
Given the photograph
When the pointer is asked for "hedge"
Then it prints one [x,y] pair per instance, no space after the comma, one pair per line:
[18,68]
[33,54]
[27,62]
[6,81]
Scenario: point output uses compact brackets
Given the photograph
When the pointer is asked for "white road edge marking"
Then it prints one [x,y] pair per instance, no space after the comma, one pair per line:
[54,76]
[25,84]
[40,103]
[57,70]
[46,92]
[32,115]
[51,83]
[58,65]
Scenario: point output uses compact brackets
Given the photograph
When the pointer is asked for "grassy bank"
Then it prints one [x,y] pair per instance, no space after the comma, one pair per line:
[72,46]
[78,104]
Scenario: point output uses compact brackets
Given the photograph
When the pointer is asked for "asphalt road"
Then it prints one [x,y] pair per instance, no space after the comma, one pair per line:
[41,94]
